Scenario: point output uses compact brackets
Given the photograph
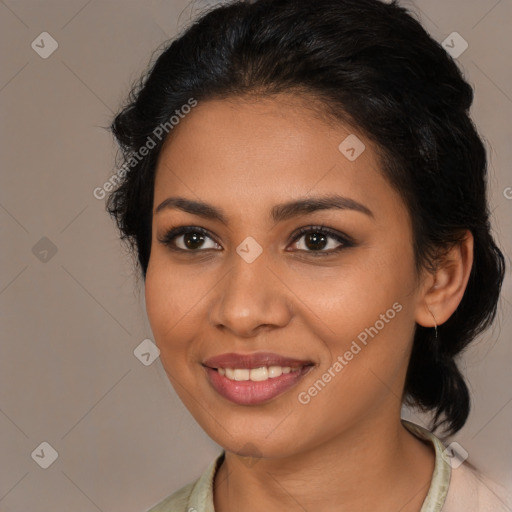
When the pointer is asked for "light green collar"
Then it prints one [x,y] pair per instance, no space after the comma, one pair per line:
[440,482]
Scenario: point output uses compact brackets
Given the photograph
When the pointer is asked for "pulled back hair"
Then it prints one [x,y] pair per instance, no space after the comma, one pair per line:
[372,66]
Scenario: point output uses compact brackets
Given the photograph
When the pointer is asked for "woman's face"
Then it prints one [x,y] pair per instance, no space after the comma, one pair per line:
[341,304]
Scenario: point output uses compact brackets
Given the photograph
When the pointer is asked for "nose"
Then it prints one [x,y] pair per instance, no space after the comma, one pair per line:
[250,298]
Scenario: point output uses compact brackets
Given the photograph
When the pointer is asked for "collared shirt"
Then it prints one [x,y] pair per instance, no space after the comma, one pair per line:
[454,487]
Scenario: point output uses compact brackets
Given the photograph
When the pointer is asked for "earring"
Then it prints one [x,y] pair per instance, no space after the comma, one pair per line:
[435,323]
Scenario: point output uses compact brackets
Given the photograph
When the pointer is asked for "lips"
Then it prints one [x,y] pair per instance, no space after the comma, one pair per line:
[250,393]
[250,361]
[286,373]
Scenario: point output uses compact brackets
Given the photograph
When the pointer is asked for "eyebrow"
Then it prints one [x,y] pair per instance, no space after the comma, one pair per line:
[279,212]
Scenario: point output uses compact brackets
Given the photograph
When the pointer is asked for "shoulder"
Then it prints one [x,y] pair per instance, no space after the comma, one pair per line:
[177,501]
[470,490]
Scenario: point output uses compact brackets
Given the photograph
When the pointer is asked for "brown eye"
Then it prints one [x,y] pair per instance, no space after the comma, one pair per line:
[320,241]
[315,241]
[188,239]
[193,240]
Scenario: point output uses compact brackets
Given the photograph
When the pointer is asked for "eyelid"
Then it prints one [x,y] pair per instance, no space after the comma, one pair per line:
[321,228]
[344,240]
[174,232]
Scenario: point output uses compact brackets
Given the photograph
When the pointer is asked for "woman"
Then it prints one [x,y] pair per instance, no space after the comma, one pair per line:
[306,196]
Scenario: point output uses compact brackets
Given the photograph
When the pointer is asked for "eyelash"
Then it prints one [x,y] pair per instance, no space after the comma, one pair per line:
[344,240]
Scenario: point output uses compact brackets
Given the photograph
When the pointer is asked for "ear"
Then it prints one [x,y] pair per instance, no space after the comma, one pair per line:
[444,288]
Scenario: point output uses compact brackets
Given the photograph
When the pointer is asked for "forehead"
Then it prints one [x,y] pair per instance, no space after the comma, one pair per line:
[245,151]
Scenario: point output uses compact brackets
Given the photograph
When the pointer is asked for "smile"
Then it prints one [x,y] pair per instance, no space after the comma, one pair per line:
[256,374]
[255,386]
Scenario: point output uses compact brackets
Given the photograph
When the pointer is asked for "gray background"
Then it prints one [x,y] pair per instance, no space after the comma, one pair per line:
[71,319]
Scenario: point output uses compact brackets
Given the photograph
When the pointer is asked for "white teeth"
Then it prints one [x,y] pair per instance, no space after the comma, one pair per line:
[241,374]
[274,371]
[256,374]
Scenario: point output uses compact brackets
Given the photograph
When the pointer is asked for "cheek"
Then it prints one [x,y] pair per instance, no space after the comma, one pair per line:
[166,308]
[176,308]
[345,299]
[169,295]
[155,297]
[363,371]
[364,314]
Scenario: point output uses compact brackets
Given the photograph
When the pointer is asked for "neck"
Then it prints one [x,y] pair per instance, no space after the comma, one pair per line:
[379,466]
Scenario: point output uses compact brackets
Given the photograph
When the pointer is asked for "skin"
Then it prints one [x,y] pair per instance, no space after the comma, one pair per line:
[347,446]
